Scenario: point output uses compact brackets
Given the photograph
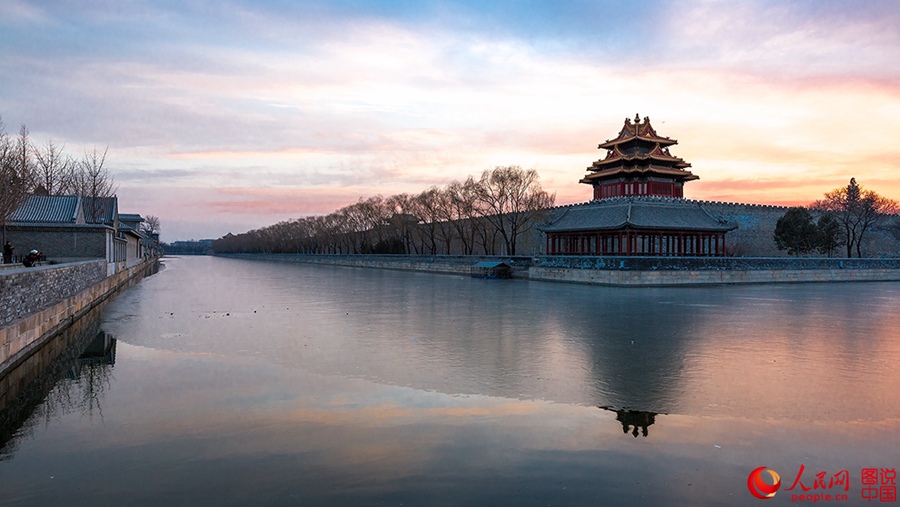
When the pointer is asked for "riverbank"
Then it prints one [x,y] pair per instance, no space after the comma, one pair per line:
[39,303]
[634,271]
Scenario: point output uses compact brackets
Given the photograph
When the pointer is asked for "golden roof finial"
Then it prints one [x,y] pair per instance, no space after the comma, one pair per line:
[637,119]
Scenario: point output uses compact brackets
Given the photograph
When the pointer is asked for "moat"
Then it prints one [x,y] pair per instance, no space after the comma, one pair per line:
[238,382]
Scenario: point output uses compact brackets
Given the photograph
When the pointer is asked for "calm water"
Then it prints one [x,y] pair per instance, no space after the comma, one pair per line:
[233,382]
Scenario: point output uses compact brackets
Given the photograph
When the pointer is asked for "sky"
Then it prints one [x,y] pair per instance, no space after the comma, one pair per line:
[224,116]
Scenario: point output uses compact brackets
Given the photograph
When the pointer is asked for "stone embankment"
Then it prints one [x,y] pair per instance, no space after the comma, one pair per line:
[38,303]
[633,271]
[448,264]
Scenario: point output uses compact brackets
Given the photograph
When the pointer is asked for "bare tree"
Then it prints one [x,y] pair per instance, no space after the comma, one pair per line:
[463,200]
[857,210]
[53,169]
[513,200]
[22,151]
[16,173]
[94,181]
[151,225]
[404,220]
[506,201]
[430,215]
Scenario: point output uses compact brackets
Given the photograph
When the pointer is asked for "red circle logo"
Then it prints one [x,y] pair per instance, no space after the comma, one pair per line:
[759,488]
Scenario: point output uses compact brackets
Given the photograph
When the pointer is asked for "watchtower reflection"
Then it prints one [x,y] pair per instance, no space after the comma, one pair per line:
[634,421]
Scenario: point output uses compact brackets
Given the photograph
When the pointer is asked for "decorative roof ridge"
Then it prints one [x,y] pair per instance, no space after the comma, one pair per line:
[636,130]
[649,154]
[664,199]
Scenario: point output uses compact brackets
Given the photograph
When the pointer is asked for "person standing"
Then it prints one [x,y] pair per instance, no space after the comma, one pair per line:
[7,253]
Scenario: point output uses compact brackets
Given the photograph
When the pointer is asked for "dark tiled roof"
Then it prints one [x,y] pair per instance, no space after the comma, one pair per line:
[100,210]
[130,222]
[44,209]
[637,213]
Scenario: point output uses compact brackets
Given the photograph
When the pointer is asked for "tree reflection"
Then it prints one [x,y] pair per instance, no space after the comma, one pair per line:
[68,374]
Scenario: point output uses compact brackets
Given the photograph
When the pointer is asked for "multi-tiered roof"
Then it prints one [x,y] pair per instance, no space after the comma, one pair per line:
[638,162]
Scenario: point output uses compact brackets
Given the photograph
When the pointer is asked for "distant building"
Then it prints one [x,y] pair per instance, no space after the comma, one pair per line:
[138,244]
[638,206]
[192,247]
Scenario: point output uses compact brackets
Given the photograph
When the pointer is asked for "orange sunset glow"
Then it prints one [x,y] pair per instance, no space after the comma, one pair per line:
[300,112]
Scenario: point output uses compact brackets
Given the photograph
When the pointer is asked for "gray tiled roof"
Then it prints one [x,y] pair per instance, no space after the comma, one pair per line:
[637,213]
[106,210]
[130,221]
[47,209]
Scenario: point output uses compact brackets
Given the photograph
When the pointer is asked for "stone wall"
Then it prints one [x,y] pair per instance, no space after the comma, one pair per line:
[754,236]
[629,271]
[450,264]
[20,337]
[60,243]
[709,277]
[658,263]
[24,291]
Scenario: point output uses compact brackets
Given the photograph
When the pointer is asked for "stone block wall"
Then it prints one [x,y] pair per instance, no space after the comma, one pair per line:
[709,277]
[659,263]
[87,242]
[754,236]
[631,270]
[451,264]
[24,291]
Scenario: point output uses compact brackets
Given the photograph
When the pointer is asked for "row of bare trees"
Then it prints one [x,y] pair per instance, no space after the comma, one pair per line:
[27,168]
[476,216]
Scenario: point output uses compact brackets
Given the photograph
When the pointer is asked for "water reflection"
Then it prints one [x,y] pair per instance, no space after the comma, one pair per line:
[634,420]
[68,374]
[745,351]
[253,383]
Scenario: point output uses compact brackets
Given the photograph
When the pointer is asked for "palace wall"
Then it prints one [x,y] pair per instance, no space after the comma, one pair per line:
[754,236]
